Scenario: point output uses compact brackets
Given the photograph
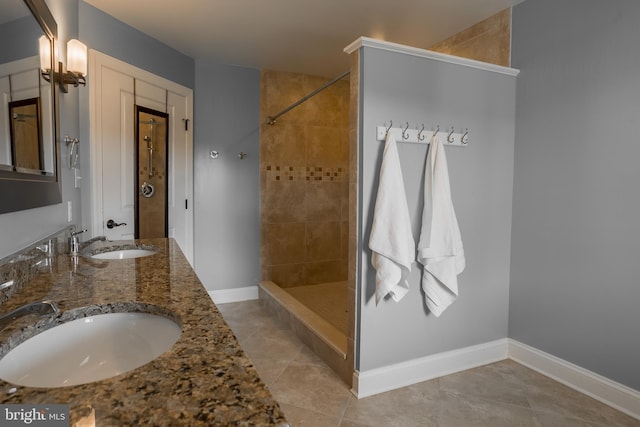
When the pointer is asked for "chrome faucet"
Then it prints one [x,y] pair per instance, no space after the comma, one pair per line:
[93,239]
[40,307]
[74,243]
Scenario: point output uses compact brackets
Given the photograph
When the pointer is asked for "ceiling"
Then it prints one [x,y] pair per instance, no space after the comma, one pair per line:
[295,35]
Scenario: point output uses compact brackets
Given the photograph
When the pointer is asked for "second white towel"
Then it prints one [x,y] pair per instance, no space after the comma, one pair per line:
[440,248]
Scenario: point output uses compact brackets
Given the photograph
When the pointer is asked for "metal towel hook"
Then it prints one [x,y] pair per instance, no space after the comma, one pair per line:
[420,135]
[389,128]
[405,135]
[465,137]
[450,136]
[435,132]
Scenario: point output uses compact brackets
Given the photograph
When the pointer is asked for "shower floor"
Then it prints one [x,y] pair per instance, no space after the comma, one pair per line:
[327,300]
[317,315]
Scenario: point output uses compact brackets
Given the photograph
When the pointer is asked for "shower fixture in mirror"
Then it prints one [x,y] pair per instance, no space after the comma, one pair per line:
[29,153]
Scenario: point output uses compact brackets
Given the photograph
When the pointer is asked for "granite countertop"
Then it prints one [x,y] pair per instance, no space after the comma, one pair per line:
[205,379]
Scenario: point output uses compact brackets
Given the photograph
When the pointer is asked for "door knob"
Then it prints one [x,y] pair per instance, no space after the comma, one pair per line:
[111,223]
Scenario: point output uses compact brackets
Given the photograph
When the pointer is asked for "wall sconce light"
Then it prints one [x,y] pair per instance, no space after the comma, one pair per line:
[76,69]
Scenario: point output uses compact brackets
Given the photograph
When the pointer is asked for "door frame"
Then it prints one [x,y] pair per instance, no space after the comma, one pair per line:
[97,60]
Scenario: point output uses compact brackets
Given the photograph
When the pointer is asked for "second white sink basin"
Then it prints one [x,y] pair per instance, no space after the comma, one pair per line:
[89,349]
[124,254]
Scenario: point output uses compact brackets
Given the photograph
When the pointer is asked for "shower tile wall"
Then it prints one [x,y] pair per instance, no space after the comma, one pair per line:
[304,180]
[487,41]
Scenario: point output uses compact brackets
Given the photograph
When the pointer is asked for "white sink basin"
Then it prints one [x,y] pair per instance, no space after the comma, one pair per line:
[89,349]
[124,254]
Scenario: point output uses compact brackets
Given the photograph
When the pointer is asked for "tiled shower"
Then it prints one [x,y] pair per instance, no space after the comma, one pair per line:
[304,181]
[304,192]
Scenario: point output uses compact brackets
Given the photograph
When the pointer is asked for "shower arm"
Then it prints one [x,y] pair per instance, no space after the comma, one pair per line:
[271,120]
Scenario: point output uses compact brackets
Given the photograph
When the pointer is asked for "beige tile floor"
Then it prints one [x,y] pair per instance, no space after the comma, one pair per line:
[501,394]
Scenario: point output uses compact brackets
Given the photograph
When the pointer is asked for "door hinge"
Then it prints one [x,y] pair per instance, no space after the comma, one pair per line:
[186,203]
[186,124]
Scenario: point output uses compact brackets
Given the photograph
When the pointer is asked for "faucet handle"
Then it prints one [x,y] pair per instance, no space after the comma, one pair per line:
[75,233]
[50,248]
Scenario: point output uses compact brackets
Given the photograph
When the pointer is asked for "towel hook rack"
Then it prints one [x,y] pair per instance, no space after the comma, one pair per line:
[405,135]
[422,134]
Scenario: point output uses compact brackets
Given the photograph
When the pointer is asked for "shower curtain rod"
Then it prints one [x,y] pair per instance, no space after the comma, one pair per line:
[271,120]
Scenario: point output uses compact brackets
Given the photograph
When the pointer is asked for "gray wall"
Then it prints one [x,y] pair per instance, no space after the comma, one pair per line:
[226,189]
[405,88]
[576,238]
[106,34]
[19,229]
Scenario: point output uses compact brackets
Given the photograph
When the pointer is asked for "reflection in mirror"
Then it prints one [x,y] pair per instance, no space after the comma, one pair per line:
[29,154]
[20,80]
[152,134]
[26,141]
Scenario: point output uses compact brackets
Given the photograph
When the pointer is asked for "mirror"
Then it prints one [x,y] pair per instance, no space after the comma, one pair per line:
[29,149]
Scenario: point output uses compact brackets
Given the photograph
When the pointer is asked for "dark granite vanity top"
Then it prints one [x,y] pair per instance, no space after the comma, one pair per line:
[205,379]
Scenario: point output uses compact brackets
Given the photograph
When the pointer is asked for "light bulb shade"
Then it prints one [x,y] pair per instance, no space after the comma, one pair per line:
[77,57]
[44,45]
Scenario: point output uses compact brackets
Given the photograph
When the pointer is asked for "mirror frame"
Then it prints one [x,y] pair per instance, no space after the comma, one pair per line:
[20,191]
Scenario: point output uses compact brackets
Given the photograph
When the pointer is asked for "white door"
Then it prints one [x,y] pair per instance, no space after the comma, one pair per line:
[116,157]
[115,89]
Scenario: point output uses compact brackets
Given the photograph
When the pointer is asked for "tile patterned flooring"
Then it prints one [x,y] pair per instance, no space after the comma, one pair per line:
[501,394]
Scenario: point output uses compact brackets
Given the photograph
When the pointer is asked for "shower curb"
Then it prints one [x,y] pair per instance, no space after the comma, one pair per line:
[324,339]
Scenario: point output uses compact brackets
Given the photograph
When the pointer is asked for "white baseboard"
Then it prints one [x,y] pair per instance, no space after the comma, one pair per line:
[234,295]
[614,394]
[368,383]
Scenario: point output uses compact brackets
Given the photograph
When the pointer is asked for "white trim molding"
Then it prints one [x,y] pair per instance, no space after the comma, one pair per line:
[379,380]
[616,395]
[429,54]
[222,296]
[386,378]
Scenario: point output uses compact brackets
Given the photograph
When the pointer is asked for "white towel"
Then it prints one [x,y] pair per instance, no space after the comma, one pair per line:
[440,248]
[391,239]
